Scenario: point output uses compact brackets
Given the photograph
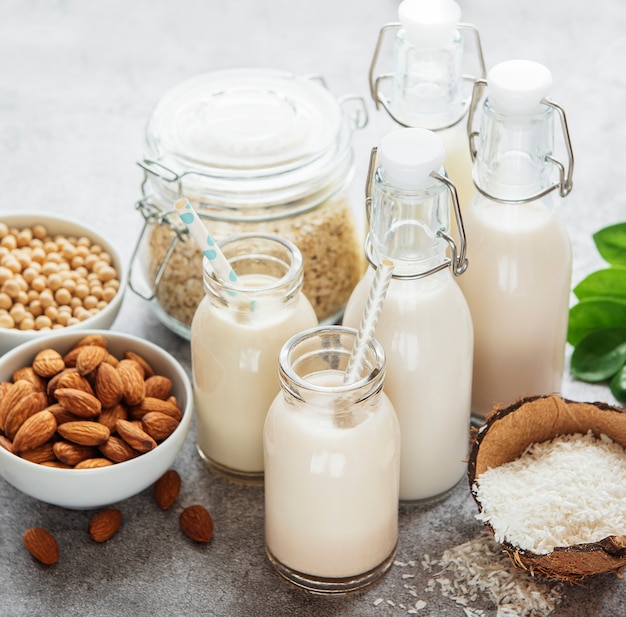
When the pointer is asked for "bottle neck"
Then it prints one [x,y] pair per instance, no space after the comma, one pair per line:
[312,364]
[428,83]
[270,274]
[512,154]
[406,226]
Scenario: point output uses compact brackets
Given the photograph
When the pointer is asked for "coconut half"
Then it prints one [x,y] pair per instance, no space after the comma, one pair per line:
[505,436]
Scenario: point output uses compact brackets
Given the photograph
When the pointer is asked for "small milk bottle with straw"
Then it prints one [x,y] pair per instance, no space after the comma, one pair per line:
[253,304]
[424,326]
[332,463]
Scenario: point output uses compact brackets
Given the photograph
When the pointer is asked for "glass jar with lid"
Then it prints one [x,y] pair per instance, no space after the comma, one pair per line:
[253,150]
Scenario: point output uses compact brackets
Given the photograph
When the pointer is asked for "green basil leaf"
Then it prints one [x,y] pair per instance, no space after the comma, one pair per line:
[594,314]
[608,283]
[599,355]
[611,244]
[618,385]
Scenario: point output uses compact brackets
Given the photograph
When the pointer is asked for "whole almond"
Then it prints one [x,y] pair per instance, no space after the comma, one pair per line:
[41,544]
[94,463]
[112,360]
[89,358]
[110,416]
[73,379]
[5,386]
[104,525]
[166,489]
[150,403]
[61,414]
[48,362]
[56,464]
[23,409]
[134,387]
[27,373]
[70,357]
[117,450]
[147,369]
[135,437]
[108,385]
[73,453]
[159,425]
[78,402]
[35,431]
[136,365]
[196,523]
[158,386]
[54,382]
[41,454]
[92,339]
[12,395]
[84,432]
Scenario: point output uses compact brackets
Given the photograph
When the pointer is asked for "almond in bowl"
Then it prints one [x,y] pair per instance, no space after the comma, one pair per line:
[78,428]
[549,478]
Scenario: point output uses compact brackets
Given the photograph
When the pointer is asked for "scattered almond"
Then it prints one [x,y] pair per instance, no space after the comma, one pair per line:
[104,525]
[196,523]
[41,544]
[166,489]
[12,396]
[41,454]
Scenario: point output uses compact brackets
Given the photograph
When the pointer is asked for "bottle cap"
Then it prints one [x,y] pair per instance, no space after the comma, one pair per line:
[516,87]
[429,23]
[408,156]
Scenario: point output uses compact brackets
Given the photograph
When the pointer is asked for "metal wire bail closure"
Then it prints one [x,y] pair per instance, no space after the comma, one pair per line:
[375,81]
[457,261]
[565,182]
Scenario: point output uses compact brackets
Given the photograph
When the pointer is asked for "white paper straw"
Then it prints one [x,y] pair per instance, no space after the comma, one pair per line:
[218,263]
[365,333]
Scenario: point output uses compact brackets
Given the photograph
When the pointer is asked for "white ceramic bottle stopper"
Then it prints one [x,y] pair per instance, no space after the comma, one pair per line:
[429,23]
[516,87]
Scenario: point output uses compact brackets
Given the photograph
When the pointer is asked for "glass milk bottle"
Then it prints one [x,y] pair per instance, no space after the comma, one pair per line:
[424,325]
[518,285]
[236,335]
[331,466]
[426,84]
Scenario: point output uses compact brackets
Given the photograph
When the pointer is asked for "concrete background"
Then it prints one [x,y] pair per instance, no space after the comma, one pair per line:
[77,83]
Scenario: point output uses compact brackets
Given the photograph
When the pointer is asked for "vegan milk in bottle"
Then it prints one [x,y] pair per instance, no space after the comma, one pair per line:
[237,333]
[426,84]
[331,466]
[424,325]
[518,283]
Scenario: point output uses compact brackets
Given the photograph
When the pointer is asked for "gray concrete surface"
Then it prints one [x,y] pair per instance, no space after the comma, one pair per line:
[77,82]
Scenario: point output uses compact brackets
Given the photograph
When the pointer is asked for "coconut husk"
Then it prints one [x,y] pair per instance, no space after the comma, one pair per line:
[506,434]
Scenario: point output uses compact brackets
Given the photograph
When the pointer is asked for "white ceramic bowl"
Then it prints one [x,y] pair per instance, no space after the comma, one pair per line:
[92,488]
[57,224]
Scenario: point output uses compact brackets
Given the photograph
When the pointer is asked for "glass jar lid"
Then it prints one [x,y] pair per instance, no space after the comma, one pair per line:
[243,137]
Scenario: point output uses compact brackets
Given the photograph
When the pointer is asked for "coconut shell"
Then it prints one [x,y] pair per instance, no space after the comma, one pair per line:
[506,434]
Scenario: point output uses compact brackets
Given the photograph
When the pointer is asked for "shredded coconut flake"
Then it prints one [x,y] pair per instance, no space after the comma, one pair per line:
[566,491]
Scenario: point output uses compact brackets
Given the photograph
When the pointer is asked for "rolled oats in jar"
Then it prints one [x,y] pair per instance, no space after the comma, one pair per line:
[253,150]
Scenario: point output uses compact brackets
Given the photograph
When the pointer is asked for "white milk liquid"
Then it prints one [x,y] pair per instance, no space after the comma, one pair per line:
[517,287]
[426,332]
[235,374]
[331,494]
